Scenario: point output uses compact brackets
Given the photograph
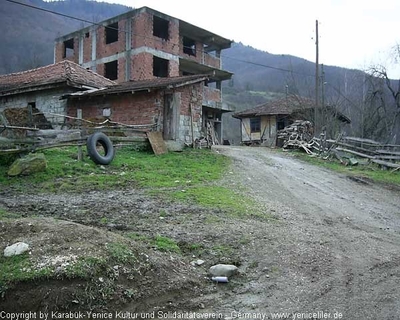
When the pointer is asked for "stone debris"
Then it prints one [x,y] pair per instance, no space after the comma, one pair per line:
[223,270]
[16,249]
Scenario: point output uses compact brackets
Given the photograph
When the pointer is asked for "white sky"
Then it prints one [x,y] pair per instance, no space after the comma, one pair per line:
[352,33]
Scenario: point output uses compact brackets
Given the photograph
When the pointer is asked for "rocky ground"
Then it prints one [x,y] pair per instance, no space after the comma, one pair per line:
[325,243]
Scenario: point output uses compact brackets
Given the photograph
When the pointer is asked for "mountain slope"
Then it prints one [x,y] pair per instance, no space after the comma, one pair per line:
[27,37]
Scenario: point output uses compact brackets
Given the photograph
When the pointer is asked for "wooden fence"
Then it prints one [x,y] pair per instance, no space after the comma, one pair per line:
[31,139]
[385,155]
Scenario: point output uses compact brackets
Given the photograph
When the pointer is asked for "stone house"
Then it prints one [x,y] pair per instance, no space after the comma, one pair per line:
[147,45]
[260,124]
[43,87]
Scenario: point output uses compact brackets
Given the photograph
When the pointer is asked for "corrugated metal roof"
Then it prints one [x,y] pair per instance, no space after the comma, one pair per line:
[144,85]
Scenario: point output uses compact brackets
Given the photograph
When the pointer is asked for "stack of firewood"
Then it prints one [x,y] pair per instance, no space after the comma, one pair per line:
[297,135]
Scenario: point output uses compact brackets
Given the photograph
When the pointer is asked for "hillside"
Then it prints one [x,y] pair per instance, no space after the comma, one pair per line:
[27,36]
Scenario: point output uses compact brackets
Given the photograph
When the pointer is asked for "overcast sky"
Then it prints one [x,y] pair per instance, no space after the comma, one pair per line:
[352,33]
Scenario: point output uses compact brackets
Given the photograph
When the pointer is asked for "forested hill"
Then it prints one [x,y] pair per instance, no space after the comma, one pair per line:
[27,35]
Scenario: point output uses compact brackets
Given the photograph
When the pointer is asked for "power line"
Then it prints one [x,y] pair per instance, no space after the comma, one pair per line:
[146,37]
[60,14]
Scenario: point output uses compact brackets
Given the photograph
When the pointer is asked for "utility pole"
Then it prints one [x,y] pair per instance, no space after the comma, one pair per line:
[316,78]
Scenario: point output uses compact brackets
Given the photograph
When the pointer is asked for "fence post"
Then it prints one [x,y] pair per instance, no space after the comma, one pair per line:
[79,116]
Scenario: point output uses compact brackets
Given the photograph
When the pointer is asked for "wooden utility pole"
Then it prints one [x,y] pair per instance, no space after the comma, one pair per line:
[316,78]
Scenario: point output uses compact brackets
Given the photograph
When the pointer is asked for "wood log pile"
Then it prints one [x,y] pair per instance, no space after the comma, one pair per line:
[348,150]
[297,135]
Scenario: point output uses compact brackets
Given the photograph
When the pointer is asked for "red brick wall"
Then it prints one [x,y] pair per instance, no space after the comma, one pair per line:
[142,34]
[138,108]
[105,50]
[87,47]
[59,54]
[142,66]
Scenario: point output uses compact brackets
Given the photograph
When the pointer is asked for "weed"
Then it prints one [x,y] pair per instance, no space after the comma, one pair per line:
[138,237]
[166,244]
[222,250]
[104,220]
[85,267]
[8,215]
[20,268]
[121,253]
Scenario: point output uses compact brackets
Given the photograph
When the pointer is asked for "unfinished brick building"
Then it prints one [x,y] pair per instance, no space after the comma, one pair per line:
[144,44]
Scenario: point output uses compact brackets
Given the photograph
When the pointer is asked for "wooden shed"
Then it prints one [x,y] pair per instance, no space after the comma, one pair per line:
[259,125]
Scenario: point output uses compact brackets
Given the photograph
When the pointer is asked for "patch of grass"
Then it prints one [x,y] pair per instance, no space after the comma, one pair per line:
[8,215]
[20,268]
[121,253]
[222,250]
[370,171]
[234,203]
[85,267]
[166,244]
[129,168]
[137,237]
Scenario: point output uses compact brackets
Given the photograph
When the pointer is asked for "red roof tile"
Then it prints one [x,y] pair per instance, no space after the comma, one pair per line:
[62,72]
[283,106]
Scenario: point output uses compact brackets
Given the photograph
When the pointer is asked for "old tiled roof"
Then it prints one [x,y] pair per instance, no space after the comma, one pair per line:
[286,106]
[283,106]
[62,72]
[144,85]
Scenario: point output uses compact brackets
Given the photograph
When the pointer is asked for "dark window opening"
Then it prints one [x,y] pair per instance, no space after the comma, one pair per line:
[160,67]
[189,46]
[160,28]
[87,35]
[255,125]
[280,124]
[111,70]
[68,48]
[185,73]
[112,33]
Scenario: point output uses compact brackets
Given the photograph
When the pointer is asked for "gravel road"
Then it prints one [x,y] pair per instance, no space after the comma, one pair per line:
[335,248]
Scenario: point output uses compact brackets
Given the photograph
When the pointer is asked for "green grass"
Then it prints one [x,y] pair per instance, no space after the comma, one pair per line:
[86,267]
[370,171]
[166,244]
[8,215]
[121,253]
[188,176]
[20,268]
[159,242]
[130,167]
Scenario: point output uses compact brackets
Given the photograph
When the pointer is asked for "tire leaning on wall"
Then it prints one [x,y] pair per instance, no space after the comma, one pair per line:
[105,142]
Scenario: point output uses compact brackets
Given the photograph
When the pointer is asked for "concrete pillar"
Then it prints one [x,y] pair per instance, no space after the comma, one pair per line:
[94,44]
[128,47]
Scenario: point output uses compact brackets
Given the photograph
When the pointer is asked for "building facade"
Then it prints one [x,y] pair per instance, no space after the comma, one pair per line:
[145,44]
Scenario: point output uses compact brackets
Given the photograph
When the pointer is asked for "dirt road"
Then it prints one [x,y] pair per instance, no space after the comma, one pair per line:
[335,248]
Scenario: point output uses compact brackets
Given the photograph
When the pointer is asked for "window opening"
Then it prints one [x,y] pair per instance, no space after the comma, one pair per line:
[189,46]
[111,70]
[68,48]
[255,125]
[111,33]
[160,67]
[160,28]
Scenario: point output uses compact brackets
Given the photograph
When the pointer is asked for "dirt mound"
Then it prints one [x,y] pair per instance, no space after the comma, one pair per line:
[75,267]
